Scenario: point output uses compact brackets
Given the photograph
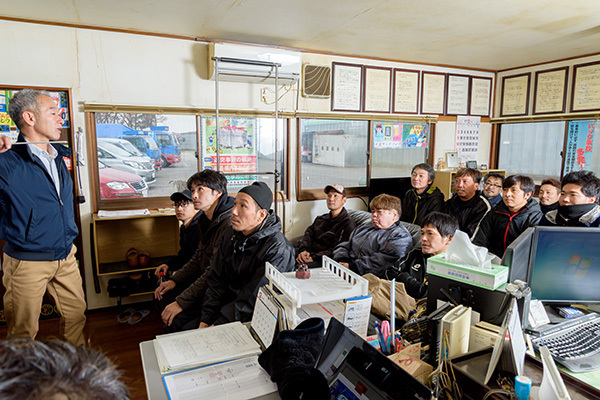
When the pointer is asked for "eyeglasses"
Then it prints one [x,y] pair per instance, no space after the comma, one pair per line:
[492,184]
[181,204]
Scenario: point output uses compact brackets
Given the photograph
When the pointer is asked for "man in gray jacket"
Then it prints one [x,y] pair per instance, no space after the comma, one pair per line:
[373,248]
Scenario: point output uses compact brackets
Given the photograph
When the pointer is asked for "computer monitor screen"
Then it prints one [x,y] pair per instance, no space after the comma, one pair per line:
[392,186]
[516,256]
[565,265]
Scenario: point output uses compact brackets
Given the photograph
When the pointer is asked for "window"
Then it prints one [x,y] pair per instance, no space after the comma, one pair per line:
[532,149]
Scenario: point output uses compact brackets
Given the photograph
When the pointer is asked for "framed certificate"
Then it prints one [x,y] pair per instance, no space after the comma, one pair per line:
[515,95]
[550,91]
[377,90]
[481,96]
[433,94]
[346,87]
[586,87]
[406,91]
[458,95]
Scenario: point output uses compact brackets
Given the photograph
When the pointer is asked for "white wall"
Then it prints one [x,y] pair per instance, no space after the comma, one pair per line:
[116,68]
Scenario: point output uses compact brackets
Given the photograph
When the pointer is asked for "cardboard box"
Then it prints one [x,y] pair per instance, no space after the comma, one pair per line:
[485,278]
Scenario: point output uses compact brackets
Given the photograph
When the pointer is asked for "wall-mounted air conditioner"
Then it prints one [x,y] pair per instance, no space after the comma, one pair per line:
[289,72]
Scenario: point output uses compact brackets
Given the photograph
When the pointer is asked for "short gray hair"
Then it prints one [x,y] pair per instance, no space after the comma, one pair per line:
[24,100]
[31,369]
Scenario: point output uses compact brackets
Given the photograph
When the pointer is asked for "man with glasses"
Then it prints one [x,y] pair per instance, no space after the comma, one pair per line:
[189,232]
[492,188]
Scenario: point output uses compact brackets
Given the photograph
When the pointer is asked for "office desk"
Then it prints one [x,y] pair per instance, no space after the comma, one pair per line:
[154,383]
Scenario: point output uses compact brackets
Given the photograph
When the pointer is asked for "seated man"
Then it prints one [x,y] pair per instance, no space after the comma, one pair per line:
[467,204]
[549,194]
[189,232]
[180,298]
[578,202]
[238,269]
[423,198]
[517,212]
[328,230]
[492,188]
[436,234]
[372,249]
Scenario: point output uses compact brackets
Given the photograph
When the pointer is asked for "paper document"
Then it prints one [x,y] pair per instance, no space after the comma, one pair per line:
[356,317]
[122,213]
[232,380]
[264,318]
[184,350]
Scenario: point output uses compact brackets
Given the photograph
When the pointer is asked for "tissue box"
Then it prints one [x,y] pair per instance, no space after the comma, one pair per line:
[485,278]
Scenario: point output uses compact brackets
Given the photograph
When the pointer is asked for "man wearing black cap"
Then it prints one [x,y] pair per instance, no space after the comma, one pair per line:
[185,289]
[328,230]
[189,233]
[238,270]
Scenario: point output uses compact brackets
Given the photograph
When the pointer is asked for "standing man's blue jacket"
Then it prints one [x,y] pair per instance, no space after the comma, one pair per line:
[36,223]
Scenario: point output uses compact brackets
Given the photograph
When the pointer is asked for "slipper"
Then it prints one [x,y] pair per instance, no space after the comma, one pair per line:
[138,316]
[124,317]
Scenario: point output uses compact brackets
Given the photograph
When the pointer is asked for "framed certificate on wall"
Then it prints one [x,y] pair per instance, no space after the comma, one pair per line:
[481,96]
[346,87]
[458,95]
[377,90]
[550,91]
[406,91]
[586,87]
[433,94]
[515,95]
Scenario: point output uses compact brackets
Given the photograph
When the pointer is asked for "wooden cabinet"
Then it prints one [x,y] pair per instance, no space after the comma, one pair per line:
[445,180]
[156,234]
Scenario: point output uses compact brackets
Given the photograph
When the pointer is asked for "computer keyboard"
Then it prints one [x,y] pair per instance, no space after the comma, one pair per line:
[574,344]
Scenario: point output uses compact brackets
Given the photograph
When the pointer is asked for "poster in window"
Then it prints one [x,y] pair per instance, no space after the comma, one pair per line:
[550,91]
[580,144]
[378,88]
[433,95]
[586,87]
[406,91]
[515,95]
[396,135]
[481,95]
[458,95]
[237,144]
[61,99]
[346,87]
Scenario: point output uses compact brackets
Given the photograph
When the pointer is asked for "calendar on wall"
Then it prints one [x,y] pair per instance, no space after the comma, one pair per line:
[467,138]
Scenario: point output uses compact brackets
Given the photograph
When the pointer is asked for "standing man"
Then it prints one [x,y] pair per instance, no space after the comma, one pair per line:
[37,222]
[238,270]
[517,212]
[468,205]
[423,198]
[578,202]
[328,230]
[549,194]
[492,188]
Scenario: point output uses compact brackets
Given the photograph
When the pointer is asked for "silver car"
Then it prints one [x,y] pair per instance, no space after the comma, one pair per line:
[119,158]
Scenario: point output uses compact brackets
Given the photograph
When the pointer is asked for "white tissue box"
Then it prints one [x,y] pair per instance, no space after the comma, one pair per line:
[486,278]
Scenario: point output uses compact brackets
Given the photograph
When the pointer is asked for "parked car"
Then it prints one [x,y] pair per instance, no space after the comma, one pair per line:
[146,145]
[117,184]
[115,157]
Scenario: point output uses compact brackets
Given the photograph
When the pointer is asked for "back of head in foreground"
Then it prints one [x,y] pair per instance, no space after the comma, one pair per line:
[32,370]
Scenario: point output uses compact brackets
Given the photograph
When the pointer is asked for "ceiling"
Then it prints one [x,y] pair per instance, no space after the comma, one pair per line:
[491,35]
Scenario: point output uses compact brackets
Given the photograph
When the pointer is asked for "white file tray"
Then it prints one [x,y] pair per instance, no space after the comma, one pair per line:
[328,283]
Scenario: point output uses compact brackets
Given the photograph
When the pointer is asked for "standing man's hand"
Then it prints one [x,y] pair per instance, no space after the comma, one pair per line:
[5,143]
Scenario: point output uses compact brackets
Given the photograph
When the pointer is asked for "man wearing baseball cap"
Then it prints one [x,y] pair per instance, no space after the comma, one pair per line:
[328,230]
[238,269]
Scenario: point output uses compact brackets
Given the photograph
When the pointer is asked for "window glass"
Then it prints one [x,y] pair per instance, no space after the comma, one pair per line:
[141,155]
[397,147]
[321,161]
[532,149]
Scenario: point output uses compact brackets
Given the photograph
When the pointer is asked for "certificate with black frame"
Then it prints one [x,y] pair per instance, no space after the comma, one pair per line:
[550,93]
[347,87]
[481,96]
[433,93]
[377,89]
[515,95]
[406,91]
[585,95]
[458,95]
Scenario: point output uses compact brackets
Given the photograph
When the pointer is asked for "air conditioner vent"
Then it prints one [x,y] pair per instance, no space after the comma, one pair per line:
[316,81]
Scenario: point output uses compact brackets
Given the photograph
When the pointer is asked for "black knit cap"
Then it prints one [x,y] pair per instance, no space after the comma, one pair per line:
[261,193]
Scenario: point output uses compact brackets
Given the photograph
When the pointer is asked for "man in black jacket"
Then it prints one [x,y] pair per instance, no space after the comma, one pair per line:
[517,212]
[423,198]
[238,270]
[328,230]
[181,297]
[468,205]
[436,234]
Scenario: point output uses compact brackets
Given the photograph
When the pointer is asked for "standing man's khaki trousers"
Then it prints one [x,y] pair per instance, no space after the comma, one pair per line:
[27,281]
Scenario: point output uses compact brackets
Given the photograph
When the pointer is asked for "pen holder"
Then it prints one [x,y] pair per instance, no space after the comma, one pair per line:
[303,272]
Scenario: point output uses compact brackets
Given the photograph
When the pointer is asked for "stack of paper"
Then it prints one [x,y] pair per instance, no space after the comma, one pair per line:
[185,350]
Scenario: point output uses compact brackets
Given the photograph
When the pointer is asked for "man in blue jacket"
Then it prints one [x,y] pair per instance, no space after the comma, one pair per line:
[37,221]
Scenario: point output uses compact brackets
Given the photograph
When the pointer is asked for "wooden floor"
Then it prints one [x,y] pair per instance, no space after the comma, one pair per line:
[120,342]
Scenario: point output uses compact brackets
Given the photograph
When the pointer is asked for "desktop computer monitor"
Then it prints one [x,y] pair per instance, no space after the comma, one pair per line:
[516,256]
[564,265]
[392,186]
